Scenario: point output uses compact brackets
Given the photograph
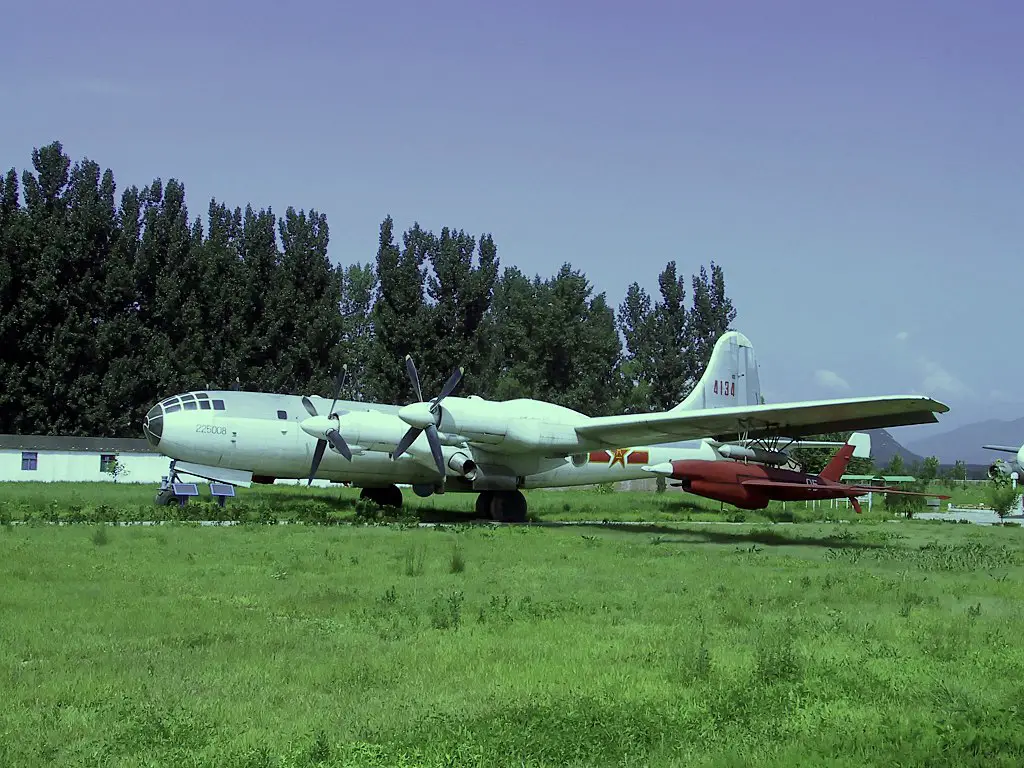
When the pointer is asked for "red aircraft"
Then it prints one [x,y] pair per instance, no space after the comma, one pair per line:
[751,485]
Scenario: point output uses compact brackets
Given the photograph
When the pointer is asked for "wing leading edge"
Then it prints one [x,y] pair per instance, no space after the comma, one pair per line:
[752,421]
[849,490]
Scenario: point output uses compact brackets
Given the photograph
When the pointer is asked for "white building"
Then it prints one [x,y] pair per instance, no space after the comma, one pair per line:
[56,458]
[49,458]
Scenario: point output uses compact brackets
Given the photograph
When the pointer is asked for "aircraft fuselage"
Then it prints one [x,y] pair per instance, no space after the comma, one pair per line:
[262,433]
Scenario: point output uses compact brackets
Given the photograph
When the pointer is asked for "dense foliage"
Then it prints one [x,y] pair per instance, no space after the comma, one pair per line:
[108,303]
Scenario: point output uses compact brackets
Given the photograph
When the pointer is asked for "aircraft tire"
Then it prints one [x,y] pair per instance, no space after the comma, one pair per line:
[165,498]
[388,496]
[483,504]
[508,506]
[391,496]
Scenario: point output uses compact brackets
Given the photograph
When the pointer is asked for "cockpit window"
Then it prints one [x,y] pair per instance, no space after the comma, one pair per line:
[172,408]
[282,415]
[204,404]
[202,396]
[218,405]
[187,398]
[170,401]
[190,405]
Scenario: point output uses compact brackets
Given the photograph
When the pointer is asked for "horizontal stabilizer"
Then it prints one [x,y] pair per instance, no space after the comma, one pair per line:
[1005,448]
[752,421]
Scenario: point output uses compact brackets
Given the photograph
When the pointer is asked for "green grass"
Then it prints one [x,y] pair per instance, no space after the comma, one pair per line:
[523,645]
[125,501]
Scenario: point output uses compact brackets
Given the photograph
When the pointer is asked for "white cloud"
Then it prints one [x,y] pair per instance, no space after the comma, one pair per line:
[1001,396]
[902,336]
[830,380]
[938,380]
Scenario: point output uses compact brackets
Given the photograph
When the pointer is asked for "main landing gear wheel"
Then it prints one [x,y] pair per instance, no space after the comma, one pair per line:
[503,506]
[165,498]
[388,496]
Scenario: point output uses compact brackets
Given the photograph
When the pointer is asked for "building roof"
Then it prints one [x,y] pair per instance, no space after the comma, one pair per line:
[84,444]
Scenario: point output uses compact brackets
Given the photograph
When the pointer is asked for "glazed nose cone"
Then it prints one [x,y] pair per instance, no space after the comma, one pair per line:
[153,425]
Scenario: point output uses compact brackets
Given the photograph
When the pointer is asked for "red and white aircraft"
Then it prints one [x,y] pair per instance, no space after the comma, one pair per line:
[752,483]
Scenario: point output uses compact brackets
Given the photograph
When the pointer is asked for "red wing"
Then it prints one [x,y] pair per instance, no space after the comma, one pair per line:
[901,492]
[808,486]
[850,490]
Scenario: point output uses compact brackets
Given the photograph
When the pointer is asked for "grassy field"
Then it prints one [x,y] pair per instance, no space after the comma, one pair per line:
[127,501]
[672,644]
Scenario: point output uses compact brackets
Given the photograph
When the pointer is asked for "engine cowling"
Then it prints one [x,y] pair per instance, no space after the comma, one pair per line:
[999,468]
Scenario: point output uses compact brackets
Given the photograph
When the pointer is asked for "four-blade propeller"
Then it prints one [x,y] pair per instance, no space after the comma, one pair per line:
[425,416]
[328,426]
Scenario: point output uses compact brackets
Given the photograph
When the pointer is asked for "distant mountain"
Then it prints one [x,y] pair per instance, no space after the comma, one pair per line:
[884,446]
[964,443]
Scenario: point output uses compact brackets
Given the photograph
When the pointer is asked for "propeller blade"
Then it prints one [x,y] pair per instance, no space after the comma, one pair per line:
[410,368]
[407,439]
[318,454]
[450,385]
[308,405]
[335,438]
[435,448]
[339,383]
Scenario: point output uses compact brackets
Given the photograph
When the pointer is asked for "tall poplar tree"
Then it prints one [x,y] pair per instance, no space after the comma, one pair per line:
[14,276]
[399,315]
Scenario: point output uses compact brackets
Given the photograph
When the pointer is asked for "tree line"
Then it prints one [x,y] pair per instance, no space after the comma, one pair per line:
[109,302]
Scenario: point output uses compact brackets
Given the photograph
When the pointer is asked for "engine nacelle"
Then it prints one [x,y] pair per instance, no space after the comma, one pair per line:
[999,468]
[511,424]
[730,493]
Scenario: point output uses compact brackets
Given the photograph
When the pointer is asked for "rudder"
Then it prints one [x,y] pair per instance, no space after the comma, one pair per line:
[857,445]
[731,378]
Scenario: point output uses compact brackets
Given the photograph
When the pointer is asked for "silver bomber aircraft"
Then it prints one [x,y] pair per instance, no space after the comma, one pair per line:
[493,448]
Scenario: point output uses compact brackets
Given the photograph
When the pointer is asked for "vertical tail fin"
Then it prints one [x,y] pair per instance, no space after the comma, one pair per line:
[859,445]
[731,378]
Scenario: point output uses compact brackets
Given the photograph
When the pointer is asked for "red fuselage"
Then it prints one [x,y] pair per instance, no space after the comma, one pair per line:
[724,481]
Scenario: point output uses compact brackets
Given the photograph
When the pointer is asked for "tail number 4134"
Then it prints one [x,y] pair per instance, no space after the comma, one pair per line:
[727,388]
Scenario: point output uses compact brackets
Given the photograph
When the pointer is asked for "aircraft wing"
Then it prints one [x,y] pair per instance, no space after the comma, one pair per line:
[1006,448]
[750,421]
[845,489]
[849,490]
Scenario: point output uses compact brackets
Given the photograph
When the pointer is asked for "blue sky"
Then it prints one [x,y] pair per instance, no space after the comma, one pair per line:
[856,168]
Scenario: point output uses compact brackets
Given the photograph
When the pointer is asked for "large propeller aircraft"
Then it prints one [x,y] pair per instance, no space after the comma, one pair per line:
[492,448]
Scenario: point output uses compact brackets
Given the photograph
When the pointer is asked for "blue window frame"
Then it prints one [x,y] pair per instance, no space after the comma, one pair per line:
[29,461]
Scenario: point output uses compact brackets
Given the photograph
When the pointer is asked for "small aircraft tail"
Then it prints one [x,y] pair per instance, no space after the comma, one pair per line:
[731,378]
[858,445]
